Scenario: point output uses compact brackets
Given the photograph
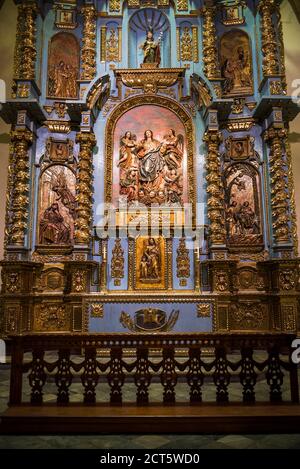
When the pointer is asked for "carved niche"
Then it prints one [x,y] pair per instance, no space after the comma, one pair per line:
[57,205]
[236,63]
[63,66]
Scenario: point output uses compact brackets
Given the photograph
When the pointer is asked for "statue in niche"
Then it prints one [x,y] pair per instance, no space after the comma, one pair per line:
[151,49]
[150,261]
[53,229]
[236,63]
[63,66]
[151,170]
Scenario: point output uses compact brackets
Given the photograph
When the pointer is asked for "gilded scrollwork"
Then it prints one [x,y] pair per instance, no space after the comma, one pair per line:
[183,262]
[84,190]
[51,317]
[117,262]
[215,189]
[248,315]
[28,51]
[88,51]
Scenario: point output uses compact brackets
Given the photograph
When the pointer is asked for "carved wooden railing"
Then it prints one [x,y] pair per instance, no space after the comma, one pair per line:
[231,357]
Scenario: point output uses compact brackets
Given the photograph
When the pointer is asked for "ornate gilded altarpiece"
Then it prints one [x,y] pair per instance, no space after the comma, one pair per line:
[150,185]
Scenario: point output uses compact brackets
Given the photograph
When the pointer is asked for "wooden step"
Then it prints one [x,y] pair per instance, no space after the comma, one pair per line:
[179,418]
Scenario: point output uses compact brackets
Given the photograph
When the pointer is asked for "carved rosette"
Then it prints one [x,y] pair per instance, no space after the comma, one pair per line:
[26,46]
[210,49]
[215,189]
[84,190]
[21,140]
[281,216]
[88,51]
[269,41]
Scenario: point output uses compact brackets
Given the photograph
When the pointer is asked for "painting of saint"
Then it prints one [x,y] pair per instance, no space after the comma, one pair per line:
[236,66]
[151,49]
[150,163]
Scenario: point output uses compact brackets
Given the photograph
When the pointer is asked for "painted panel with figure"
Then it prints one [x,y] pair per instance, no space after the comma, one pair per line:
[63,66]
[57,206]
[243,207]
[150,158]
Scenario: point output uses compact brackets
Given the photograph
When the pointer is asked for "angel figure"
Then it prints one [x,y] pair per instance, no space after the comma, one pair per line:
[127,147]
[172,149]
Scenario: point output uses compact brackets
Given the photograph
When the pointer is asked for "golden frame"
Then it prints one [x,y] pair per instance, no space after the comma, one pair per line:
[159,101]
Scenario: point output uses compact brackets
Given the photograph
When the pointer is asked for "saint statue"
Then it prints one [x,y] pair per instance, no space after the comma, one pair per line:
[53,230]
[151,49]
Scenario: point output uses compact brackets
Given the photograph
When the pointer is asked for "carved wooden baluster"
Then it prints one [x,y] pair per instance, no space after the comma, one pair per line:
[90,376]
[168,374]
[274,375]
[248,376]
[37,377]
[142,377]
[16,373]
[116,376]
[63,377]
[195,376]
[221,375]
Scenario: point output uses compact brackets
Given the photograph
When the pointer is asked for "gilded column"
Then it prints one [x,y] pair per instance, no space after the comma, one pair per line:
[27,46]
[291,189]
[215,189]
[19,206]
[88,51]
[18,47]
[269,41]
[210,49]
[281,217]
[84,190]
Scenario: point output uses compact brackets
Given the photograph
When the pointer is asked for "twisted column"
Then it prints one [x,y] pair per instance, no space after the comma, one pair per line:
[21,140]
[281,217]
[270,48]
[84,188]
[215,189]
[210,49]
[88,51]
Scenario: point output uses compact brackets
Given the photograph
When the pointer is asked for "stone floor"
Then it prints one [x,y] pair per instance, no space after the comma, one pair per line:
[130,441]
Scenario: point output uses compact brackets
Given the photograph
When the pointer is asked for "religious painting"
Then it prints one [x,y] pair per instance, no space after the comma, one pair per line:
[243,206]
[233,14]
[65,19]
[150,266]
[150,163]
[57,206]
[240,148]
[59,151]
[236,63]
[63,66]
